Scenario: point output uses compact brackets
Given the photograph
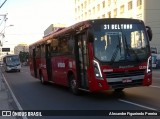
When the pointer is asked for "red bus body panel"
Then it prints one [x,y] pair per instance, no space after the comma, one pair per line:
[61,66]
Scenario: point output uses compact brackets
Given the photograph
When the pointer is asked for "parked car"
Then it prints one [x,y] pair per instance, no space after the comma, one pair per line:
[156,61]
[1,63]
[158,64]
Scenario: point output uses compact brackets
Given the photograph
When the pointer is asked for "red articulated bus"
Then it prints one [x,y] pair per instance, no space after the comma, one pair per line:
[95,55]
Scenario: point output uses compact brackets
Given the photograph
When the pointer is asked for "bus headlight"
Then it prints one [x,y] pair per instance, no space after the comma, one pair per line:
[97,69]
[149,65]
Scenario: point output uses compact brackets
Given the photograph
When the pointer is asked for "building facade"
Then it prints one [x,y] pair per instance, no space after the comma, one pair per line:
[53,27]
[22,48]
[146,10]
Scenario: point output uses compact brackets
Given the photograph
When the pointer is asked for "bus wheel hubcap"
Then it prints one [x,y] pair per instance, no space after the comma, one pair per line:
[42,79]
[73,84]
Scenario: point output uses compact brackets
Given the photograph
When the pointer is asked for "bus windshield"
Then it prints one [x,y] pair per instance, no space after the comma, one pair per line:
[120,42]
[12,60]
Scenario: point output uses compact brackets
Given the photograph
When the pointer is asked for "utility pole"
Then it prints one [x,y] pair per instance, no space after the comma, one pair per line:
[3,4]
[4,18]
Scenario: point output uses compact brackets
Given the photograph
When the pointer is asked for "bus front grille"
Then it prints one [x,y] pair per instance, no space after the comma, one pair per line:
[124,74]
[116,79]
[120,84]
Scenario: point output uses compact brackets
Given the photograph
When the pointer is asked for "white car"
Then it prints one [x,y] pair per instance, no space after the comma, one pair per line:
[155,60]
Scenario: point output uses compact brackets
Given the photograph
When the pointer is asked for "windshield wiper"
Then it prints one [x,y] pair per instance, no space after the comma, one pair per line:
[114,54]
[115,51]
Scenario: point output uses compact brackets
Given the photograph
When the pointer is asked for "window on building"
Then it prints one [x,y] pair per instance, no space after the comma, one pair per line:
[115,2]
[103,4]
[115,13]
[93,10]
[139,16]
[109,2]
[139,3]
[98,7]
[130,5]
[78,8]
[122,9]
[85,4]
[109,14]
[89,12]
[82,6]
[89,1]
[85,15]
[103,16]
[82,16]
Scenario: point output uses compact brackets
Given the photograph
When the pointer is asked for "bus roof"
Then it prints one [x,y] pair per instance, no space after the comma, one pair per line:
[9,55]
[85,24]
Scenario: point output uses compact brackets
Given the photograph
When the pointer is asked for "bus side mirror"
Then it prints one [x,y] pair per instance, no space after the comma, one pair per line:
[149,32]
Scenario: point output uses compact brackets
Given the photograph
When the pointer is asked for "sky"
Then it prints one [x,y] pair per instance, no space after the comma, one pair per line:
[31,17]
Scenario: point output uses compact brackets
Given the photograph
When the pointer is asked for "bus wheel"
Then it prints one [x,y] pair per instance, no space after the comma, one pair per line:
[73,85]
[119,90]
[42,79]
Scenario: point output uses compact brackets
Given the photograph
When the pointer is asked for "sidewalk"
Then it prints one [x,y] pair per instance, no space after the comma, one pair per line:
[6,100]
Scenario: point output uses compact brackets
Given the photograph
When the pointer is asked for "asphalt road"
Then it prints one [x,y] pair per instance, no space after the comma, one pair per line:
[32,95]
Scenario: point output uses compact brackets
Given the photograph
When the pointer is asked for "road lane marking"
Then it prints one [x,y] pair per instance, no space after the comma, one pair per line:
[14,97]
[139,105]
[155,86]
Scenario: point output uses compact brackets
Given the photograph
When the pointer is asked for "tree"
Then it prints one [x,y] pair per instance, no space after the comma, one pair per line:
[24,56]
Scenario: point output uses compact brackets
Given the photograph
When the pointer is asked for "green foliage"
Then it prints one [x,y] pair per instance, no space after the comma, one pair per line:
[24,56]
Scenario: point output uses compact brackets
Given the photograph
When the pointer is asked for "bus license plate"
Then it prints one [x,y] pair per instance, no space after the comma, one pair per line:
[127,80]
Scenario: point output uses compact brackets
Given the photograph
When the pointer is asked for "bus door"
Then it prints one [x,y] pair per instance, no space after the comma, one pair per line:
[48,61]
[34,62]
[81,59]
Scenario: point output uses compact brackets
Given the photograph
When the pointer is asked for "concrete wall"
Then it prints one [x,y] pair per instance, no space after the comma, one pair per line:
[152,18]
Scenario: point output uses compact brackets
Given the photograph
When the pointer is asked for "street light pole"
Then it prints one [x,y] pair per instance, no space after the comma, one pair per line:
[5,28]
[3,34]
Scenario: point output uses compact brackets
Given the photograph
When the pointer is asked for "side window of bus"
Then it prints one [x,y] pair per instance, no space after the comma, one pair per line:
[65,45]
[71,45]
[54,46]
[38,52]
[42,49]
[30,52]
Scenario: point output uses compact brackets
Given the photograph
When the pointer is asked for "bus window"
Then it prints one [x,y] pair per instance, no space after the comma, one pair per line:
[42,49]
[65,45]
[54,45]
[38,51]
[71,45]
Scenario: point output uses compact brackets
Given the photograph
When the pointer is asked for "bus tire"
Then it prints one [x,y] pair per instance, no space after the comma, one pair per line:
[73,85]
[42,79]
[118,89]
